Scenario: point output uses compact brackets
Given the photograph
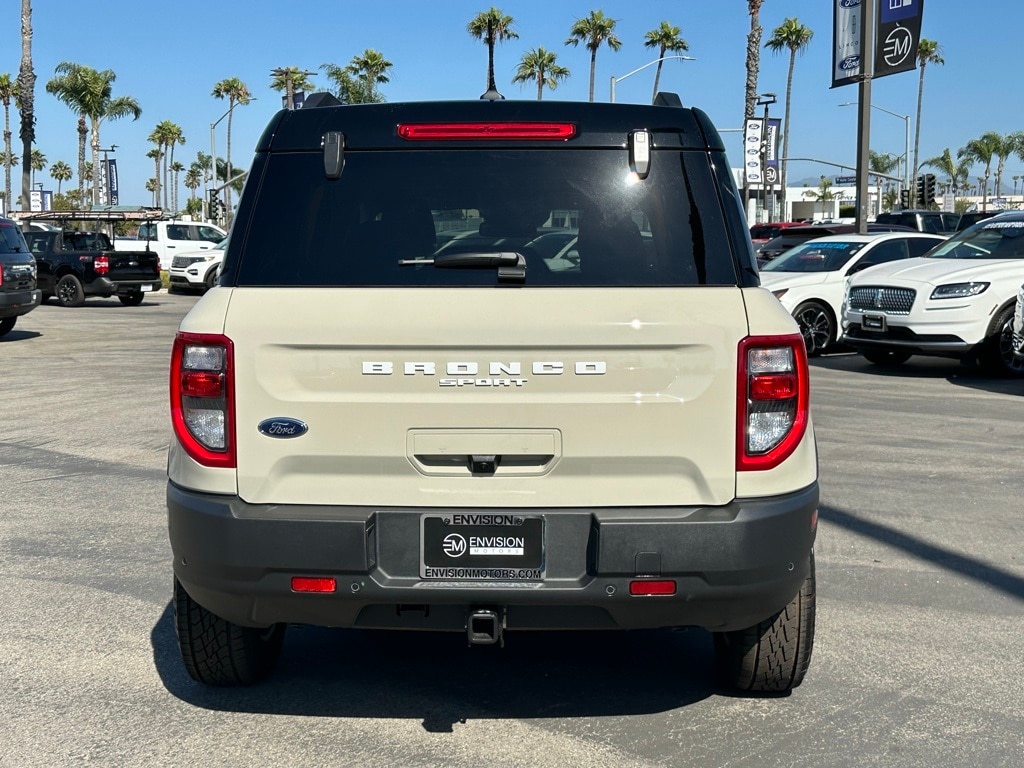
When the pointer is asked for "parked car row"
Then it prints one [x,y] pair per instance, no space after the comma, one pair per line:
[893,296]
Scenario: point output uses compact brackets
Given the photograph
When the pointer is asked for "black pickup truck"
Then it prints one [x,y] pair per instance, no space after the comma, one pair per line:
[74,265]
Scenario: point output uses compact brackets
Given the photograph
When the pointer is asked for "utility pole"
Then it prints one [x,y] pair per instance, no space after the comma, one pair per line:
[289,73]
[864,118]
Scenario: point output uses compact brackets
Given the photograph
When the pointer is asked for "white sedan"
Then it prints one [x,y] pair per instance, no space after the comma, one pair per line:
[957,302]
[810,279]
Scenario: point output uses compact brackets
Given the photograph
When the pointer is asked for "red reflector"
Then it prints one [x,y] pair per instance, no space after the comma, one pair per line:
[666,587]
[201,384]
[313,584]
[773,386]
[484,131]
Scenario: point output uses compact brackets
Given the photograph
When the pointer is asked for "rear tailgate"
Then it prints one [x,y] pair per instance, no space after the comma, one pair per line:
[129,266]
[589,397]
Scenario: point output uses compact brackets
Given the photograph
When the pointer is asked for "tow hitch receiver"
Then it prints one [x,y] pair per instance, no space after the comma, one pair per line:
[483,627]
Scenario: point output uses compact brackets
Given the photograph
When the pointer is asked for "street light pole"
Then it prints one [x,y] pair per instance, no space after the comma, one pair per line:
[906,137]
[213,154]
[645,66]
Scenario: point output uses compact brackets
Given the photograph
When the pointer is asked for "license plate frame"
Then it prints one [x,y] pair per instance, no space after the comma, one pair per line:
[874,324]
[146,287]
[482,547]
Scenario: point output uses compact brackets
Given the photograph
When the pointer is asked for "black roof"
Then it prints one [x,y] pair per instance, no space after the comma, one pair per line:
[374,126]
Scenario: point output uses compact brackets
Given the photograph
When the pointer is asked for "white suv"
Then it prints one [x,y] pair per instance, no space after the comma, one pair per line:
[397,413]
[957,301]
[197,270]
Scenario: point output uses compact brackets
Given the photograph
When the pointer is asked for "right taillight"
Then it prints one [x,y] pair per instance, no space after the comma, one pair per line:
[773,397]
[202,397]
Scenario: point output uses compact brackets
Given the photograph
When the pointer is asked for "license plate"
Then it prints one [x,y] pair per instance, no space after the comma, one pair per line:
[874,323]
[146,288]
[482,547]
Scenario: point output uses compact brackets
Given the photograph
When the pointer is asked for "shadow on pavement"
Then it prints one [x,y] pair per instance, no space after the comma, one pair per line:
[964,565]
[437,679]
[969,375]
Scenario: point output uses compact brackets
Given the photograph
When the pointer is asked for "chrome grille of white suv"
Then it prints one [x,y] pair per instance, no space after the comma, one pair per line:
[892,301]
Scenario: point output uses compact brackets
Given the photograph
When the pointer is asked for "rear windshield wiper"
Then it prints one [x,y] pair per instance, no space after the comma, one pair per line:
[511,266]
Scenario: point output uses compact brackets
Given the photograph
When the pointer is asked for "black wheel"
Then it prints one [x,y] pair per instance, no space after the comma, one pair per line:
[816,325]
[773,655]
[6,325]
[886,356]
[211,277]
[997,353]
[218,652]
[132,299]
[69,291]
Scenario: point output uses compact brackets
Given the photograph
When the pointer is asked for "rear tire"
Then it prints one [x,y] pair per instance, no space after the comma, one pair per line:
[773,655]
[886,356]
[816,326]
[997,354]
[69,291]
[7,324]
[216,651]
[131,299]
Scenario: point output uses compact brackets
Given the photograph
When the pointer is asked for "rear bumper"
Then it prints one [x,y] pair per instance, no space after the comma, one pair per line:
[733,565]
[17,303]
[103,286]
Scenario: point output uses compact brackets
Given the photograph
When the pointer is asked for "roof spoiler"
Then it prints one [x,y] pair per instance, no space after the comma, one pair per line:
[667,99]
[321,99]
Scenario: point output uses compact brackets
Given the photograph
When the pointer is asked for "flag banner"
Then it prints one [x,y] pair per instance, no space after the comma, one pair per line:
[899,31]
[752,136]
[848,22]
[112,182]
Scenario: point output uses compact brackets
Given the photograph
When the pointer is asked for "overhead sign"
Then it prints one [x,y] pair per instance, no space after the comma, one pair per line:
[846,179]
[847,28]
[899,31]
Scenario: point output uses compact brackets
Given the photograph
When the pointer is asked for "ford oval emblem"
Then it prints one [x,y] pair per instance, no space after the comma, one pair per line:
[849,3]
[282,427]
[850,62]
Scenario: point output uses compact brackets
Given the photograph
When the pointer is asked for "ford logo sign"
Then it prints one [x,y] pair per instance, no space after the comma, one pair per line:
[849,3]
[850,62]
[282,427]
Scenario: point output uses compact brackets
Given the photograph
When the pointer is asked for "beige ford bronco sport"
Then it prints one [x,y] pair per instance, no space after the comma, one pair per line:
[509,369]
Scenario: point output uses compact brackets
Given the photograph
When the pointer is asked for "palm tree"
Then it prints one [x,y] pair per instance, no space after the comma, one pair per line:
[166,135]
[236,92]
[159,137]
[90,93]
[538,65]
[753,65]
[289,80]
[26,101]
[664,38]
[70,89]
[176,168]
[1007,146]
[492,27]
[371,67]
[60,171]
[8,92]
[824,193]
[883,163]
[928,52]
[956,173]
[594,31]
[980,150]
[37,163]
[193,178]
[346,89]
[792,35]
[156,155]
[889,199]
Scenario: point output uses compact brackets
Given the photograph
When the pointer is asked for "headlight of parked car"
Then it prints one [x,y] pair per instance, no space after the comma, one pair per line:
[958,290]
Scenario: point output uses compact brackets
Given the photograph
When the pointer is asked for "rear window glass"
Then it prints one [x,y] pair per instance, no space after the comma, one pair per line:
[11,240]
[577,217]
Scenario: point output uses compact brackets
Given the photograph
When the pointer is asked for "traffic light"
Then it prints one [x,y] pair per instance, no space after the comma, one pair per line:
[904,198]
[920,190]
[928,198]
[213,206]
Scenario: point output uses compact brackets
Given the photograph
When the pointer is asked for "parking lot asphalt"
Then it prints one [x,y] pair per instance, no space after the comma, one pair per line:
[917,659]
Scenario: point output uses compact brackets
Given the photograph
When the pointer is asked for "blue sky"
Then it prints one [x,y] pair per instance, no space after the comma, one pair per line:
[168,56]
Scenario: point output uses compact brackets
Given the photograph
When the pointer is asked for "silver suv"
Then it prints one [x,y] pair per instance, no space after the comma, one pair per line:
[507,368]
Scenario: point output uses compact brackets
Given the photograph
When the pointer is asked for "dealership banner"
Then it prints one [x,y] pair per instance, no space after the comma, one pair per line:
[847,28]
[112,182]
[899,31]
[752,137]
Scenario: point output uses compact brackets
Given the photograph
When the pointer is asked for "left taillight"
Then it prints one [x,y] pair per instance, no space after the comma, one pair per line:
[773,394]
[101,264]
[203,397]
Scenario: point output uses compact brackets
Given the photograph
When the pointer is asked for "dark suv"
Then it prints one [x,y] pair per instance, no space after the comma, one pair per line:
[18,294]
[507,368]
[932,222]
